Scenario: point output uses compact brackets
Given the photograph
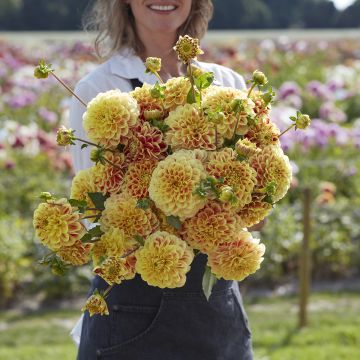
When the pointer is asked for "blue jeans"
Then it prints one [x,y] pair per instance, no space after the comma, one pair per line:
[148,323]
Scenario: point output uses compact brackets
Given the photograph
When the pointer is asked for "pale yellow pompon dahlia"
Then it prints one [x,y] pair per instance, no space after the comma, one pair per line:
[237,259]
[108,178]
[176,92]
[173,183]
[273,166]
[115,269]
[189,129]
[245,148]
[121,212]
[264,133]
[252,213]
[147,103]
[113,242]
[222,98]
[82,184]
[57,224]
[239,175]
[211,226]
[109,116]
[187,48]
[77,254]
[137,178]
[164,260]
[96,305]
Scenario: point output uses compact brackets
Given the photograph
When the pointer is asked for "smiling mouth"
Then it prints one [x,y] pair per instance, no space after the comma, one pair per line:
[163,8]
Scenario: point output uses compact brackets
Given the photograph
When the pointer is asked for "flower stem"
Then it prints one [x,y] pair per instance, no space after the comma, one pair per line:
[111,163]
[251,89]
[109,288]
[67,88]
[191,79]
[159,77]
[129,252]
[89,217]
[216,137]
[285,131]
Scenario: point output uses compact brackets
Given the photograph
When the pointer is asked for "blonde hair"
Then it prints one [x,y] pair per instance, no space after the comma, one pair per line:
[115,24]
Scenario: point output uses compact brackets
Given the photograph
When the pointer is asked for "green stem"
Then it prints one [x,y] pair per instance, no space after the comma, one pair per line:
[89,217]
[159,77]
[67,88]
[130,252]
[285,131]
[191,79]
[251,89]
[106,292]
[111,163]
[216,137]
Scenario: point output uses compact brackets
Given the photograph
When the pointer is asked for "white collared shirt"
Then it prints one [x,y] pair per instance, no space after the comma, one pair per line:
[115,74]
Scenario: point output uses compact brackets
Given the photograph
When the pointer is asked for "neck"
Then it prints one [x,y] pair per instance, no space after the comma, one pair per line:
[161,45]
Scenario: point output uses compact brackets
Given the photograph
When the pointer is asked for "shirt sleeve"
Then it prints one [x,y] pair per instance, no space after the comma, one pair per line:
[239,82]
[80,157]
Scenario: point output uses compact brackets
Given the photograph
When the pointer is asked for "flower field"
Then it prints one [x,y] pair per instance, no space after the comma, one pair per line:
[321,78]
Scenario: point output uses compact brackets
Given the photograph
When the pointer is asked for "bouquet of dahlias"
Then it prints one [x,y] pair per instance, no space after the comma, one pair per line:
[180,167]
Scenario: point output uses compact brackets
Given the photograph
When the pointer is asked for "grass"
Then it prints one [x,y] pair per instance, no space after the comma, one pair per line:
[333,331]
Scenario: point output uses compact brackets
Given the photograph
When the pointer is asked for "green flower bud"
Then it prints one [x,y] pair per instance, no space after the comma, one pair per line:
[65,136]
[259,78]
[303,121]
[97,155]
[153,64]
[46,196]
[227,194]
[43,70]
[216,117]
[237,105]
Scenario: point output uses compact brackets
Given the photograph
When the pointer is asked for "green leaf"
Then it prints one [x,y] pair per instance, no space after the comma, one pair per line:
[98,199]
[160,125]
[83,146]
[143,203]
[92,233]
[78,203]
[204,80]
[174,221]
[208,282]
[191,99]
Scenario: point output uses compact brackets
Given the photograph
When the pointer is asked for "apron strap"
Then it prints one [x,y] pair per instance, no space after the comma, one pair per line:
[136,83]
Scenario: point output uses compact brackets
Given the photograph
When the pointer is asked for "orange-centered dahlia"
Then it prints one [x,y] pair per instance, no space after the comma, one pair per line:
[173,183]
[222,98]
[189,129]
[164,260]
[237,259]
[237,174]
[264,133]
[176,92]
[109,117]
[211,226]
[96,304]
[57,224]
[137,178]
[77,254]
[121,212]
[272,167]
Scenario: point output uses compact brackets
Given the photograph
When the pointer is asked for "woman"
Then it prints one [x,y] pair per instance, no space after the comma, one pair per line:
[148,322]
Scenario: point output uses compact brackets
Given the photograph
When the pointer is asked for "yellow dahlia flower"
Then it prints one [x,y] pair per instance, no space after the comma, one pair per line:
[237,259]
[109,116]
[211,226]
[187,48]
[189,129]
[164,260]
[77,254]
[223,98]
[121,212]
[108,178]
[115,269]
[237,174]
[82,184]
[173,183]
[96,304]
[57,224]
[148,103]
[263,134]
[137,178]
[252,213]
[245,148]
[176,92]
[272,167]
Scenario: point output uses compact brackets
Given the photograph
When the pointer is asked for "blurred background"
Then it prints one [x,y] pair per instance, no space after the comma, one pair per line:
[304,303]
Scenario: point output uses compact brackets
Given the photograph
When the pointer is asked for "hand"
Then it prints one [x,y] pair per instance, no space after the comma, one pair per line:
[258,226]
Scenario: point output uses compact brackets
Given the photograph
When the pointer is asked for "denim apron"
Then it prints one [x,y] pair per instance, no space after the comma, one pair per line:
[149,323]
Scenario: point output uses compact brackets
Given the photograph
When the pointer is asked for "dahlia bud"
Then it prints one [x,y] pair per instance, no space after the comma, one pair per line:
[227,194]
[65,136]
[97,155]
[43,70]
[196,71]
[245,148]
[187,48]
[46,196]
[153,64]
[153,114]
[216,118]
[303,121]
[96,304]
[259,78]
[237,105]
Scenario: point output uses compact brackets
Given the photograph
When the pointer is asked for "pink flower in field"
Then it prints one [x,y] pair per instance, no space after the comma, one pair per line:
[9,164]
[47,115]
[21,100]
